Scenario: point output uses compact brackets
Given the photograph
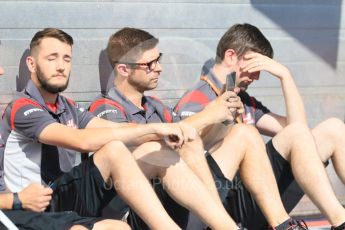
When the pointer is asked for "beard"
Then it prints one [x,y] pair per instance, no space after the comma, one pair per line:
[140,85]
[49,87]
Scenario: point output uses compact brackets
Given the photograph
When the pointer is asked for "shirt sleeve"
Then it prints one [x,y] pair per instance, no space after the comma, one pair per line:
[84,118]
[108,110]
[193,101]
[259,109]
[29,118]
[254,109]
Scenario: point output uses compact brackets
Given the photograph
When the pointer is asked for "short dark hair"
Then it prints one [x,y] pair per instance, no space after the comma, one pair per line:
[50,33]
[128,44]
[243,38]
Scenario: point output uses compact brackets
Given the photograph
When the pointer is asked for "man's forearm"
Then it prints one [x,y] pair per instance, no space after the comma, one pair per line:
[6,201]
[129,133]
[136,134]
[200,120]
[295,111]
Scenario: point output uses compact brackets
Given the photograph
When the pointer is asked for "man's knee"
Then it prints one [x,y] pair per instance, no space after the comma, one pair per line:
[147,147]
[78,227]
[292,136]
[296,130]
[194,147]
[332,127]
[110,225]
[113,150]
[243,131]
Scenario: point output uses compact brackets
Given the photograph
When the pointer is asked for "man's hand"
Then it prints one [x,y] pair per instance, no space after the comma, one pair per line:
[171,133]
[175,134]
[188,131]
[35,197]
[225,108]
[256,62]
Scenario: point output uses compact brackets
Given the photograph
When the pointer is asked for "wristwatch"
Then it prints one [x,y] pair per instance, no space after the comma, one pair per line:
[17,204]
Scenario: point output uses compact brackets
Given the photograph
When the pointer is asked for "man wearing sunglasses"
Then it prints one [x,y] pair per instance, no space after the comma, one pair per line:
[135,58]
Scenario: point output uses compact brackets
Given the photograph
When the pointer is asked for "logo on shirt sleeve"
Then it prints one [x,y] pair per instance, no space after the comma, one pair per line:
[105,112]
[70,123]
[30,111]
[187,113]
[248,119]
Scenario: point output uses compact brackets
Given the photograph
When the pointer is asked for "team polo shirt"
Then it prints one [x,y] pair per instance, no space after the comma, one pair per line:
[208,89]
[114,106]
[27,160]
[2,148]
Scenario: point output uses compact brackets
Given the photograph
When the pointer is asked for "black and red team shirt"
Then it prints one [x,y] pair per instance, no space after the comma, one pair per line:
[27,160]
[2,148]
[115,107]
[208,89]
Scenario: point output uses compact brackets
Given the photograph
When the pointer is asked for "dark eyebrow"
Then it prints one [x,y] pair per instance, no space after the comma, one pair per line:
[53,54]
[56,54]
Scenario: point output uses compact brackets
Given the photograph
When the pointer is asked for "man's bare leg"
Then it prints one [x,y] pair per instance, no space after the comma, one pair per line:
[116,162]
[110,225]
[244,149]
[182,184]
[329,137]
[193,154]
[296,144]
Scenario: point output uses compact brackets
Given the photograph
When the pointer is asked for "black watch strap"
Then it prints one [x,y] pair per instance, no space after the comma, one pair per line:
[17,204]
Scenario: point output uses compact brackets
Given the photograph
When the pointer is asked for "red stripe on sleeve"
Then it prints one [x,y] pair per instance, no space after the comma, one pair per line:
[167,115]
[19,104]
[194,97]
[71,102]
[252,100]
[102,101]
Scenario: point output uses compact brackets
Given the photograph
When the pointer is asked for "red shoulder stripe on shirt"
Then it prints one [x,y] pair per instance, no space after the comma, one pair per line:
[21,102]
[252,100]
[71,102]
[167,115]
[195,97]
[102,101]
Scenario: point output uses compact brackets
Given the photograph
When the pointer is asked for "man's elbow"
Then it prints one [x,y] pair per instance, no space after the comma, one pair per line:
[87,146]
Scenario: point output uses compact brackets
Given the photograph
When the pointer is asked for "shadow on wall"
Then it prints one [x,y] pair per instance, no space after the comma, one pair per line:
[315,25]
[24,74]
[106,73]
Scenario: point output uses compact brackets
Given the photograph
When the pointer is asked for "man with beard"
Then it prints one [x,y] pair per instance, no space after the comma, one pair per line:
[44,132]
[34,199]
[245,51]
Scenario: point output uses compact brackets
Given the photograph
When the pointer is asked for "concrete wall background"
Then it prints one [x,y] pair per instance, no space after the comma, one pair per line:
[307,35]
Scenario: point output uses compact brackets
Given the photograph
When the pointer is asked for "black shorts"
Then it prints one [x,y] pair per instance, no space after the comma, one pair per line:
[177,212]
[239,202]
[82,190]
[53,221]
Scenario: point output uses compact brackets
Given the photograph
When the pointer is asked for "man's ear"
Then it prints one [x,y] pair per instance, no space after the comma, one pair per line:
[230,56]
[30,62]
[121,69]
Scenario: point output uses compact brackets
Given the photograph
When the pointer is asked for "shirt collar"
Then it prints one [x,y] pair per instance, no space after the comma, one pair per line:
[208,72]
[33,92]
[132,109]
[115,94]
